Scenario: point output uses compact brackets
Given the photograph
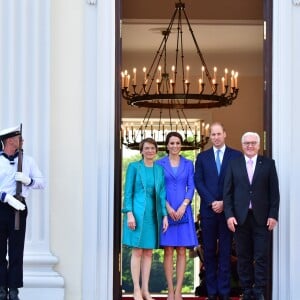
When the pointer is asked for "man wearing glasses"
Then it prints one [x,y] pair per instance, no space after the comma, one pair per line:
[251,204]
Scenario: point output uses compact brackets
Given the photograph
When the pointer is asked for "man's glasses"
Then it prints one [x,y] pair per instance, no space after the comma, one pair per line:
[250,143]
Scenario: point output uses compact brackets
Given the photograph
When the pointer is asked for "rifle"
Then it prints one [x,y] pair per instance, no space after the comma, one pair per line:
[19,183]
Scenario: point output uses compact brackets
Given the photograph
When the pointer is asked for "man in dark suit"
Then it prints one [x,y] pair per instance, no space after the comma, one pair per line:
[209,179]
[251,204]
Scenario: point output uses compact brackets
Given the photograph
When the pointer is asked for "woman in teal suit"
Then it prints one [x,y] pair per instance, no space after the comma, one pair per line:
[145,214]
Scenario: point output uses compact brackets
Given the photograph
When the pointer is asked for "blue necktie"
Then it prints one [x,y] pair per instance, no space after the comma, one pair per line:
[218,161]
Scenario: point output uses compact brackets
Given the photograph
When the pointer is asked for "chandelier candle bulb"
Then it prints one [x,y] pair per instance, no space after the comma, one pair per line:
[236,79]
[202,72]
[145,75]
[215,73]
[223,85]
[134,76]
[128,80]
[187,84]
[157,86]
[232,79]
[125,78]
[226,76]
[214,85]
[187,73]
[159,73]
[172,87]
[173,72]
[200,86]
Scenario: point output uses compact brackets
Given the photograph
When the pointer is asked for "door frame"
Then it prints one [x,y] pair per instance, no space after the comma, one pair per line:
[267,116]
[267,138]
[117,259]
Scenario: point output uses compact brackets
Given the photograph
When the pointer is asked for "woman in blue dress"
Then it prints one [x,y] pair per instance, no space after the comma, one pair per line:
[181,234]
[145,215]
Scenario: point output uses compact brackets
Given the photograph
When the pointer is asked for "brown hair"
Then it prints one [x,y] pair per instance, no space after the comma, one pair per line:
[147,140]
[169,135]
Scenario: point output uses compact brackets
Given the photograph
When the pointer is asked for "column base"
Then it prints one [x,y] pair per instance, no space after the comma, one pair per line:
[40,280]
[41,293]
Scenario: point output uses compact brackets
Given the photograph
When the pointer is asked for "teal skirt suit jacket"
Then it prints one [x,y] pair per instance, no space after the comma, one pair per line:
[135,197]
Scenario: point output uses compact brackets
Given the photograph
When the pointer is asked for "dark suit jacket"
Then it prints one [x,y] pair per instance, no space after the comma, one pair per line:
[208,184]
[263,192]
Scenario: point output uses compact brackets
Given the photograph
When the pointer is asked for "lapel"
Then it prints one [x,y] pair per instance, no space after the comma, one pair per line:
[243,167]
[258,168]
[181,167]
[226,157]
[156,178]
[212,161]
[168,167]
[142,173]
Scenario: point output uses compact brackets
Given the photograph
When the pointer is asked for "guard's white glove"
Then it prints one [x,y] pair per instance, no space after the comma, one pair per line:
[12,201]
[19,176]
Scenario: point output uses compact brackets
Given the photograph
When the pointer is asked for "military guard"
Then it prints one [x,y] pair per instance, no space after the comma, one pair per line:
[18,175]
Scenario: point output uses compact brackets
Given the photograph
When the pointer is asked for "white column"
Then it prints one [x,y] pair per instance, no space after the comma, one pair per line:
[25,98]
[286,145]
[99,156]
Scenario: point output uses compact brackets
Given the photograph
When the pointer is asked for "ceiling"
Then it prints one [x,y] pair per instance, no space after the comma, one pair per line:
[226,26]
[251,10]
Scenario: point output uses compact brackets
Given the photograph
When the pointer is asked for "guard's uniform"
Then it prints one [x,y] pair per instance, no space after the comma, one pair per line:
[11,240]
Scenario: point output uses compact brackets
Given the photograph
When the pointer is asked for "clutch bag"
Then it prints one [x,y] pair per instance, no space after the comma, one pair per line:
[183,220]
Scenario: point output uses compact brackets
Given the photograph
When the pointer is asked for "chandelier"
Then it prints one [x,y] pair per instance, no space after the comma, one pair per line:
[195,132]
[164,85]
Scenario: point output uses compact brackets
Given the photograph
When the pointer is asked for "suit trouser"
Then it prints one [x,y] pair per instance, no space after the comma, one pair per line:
[217,243]
[11,243]
[252,242]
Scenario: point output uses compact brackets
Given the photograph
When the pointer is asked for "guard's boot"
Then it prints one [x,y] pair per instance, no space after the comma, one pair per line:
[13,294]
[3,293]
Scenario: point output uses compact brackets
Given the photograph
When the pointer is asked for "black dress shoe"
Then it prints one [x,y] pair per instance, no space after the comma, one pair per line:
[247,294]
[224,297]
[3,293]
[13,294]
[246,297]
[259,297]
